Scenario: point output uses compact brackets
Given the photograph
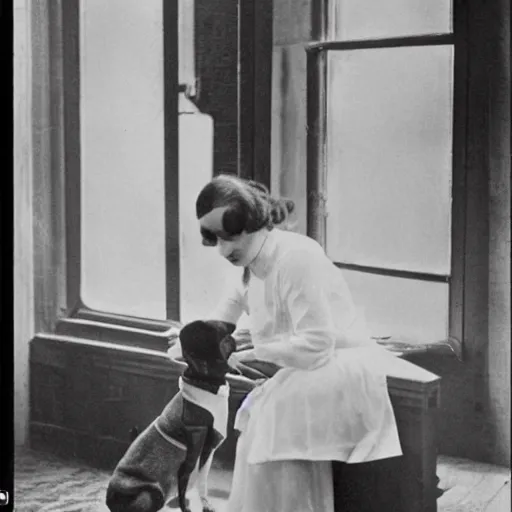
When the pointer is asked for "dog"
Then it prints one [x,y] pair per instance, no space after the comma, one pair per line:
[176,449]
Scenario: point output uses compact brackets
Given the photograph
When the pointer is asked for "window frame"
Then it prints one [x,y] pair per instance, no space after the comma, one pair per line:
[316,153]
[79,320]
[58,268]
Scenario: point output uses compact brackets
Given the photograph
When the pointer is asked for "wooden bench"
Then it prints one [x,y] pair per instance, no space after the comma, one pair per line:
[407,483]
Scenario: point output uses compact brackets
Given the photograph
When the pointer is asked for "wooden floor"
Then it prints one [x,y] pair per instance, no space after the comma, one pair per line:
[473,487]
[44,484]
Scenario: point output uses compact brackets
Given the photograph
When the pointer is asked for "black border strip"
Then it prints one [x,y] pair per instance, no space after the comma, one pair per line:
[7,313]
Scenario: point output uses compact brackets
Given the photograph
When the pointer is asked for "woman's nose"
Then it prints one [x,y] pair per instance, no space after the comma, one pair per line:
[224,248]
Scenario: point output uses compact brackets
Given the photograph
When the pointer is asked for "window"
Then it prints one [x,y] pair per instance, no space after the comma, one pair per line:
[132,169]
[120,150]
[123,253]
[385,88]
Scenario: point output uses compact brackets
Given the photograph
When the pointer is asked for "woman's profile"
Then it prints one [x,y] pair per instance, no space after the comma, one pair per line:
[327,402]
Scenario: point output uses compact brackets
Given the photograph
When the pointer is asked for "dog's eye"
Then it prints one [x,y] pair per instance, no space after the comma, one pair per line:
[227,347]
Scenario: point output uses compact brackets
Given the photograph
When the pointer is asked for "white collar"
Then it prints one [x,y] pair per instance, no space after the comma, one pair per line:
[263,263]
[215,403]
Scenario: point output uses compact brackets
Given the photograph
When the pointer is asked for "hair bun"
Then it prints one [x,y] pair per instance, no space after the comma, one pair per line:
[280,209]
[290,205]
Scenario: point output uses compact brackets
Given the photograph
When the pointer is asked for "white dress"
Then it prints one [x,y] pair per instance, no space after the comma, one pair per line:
[328,402]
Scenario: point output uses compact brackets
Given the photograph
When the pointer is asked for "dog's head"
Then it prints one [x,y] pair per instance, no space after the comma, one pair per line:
[206,346]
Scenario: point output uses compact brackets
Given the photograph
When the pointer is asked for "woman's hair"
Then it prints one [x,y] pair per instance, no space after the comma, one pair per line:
[250,205]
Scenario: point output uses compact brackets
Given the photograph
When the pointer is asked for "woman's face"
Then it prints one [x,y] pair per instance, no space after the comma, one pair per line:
[237,249]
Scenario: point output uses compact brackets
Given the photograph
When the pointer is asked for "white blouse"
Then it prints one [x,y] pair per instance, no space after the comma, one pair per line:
[329,401]
[300,308]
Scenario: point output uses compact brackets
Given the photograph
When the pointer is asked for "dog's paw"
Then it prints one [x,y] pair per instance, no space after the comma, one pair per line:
[206,505]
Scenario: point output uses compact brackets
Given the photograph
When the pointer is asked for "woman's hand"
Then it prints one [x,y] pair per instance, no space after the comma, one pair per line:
[236,359]
[242,338]
[234,362]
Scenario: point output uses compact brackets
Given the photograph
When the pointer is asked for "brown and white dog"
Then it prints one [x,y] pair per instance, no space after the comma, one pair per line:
[176,449]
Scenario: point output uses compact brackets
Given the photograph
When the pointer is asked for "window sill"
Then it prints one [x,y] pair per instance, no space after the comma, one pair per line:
[110,329]
[450,348]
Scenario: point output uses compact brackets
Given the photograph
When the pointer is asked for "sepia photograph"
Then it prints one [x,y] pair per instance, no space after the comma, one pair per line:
[261,256]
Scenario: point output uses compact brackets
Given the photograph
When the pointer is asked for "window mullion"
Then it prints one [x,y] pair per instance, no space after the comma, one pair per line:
[171,159]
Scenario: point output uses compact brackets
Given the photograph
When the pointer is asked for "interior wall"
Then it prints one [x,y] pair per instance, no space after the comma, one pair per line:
[499,240]
[23,242]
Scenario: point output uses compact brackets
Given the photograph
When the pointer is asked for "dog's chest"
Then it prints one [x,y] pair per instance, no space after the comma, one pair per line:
[206,407]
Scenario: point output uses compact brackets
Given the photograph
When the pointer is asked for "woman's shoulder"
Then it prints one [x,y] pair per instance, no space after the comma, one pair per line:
[300,254]
[296,244]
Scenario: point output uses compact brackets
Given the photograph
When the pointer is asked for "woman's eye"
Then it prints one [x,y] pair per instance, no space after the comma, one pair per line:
[209,238]
[228,238]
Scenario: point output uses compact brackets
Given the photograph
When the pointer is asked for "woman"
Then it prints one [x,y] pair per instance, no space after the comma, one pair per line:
[327,402]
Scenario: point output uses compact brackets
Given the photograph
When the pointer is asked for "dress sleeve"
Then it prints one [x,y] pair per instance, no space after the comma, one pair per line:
[232,304]
[304,284]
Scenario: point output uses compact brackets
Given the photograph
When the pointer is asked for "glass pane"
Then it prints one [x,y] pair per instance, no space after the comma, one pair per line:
[288,165]
[369,19]
[389,152]
[186,57]
[122,138]
[406,309]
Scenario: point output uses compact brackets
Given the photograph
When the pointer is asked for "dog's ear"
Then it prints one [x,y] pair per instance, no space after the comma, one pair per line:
[202,339]
[227,346]
[202,328]
[222,327]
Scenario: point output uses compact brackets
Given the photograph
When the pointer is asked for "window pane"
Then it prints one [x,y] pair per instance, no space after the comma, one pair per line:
[123,230]
[389,151]
[369,19]
[186,57]
[406,309]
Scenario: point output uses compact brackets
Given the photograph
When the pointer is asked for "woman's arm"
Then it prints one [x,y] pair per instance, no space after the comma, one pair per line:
[232,304]
[229,309]
[304,284]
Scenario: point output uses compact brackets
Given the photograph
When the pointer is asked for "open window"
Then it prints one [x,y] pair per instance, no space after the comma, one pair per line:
[386,87]
[120,167]
[116,202]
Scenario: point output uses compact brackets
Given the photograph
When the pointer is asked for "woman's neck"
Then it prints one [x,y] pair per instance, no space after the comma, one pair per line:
[259,240]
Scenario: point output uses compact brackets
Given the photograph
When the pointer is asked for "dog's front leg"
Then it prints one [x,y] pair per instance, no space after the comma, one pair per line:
[202,484]
[183,479]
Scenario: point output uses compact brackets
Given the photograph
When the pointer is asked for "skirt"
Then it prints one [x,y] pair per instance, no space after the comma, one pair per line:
[279,486]
[299,421]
